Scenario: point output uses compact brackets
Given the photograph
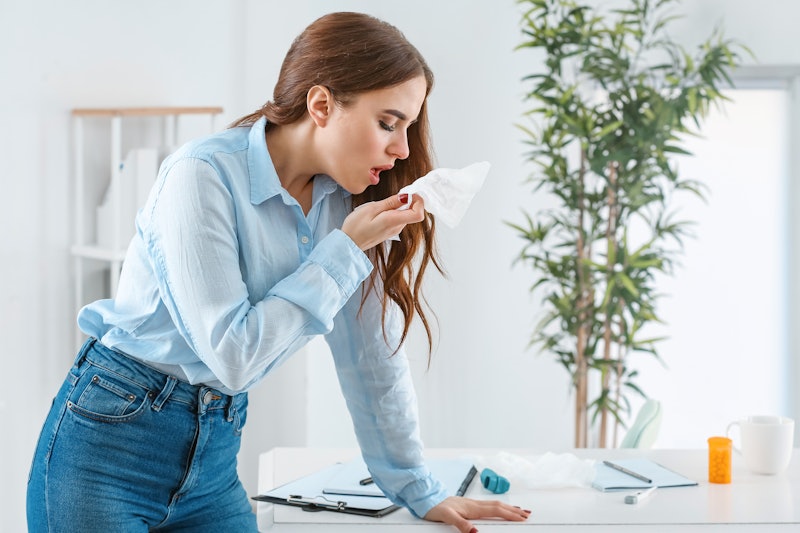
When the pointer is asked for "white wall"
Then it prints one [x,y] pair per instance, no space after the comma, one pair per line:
[483,389]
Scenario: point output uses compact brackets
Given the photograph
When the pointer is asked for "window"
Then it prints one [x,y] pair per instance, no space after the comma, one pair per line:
[727,306]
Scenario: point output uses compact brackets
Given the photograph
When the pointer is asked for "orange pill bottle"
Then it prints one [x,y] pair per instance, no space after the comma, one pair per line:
[719,459]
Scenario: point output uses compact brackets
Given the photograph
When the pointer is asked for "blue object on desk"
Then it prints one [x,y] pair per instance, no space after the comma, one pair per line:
[494,483]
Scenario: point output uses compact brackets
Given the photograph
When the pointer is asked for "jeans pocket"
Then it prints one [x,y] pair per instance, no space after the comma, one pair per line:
[107,397]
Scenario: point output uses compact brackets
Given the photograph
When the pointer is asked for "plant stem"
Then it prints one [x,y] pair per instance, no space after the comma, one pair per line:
[619,367]
[611,254]
[584,301]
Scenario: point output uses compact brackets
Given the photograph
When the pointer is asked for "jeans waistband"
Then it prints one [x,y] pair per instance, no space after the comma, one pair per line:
[161,386]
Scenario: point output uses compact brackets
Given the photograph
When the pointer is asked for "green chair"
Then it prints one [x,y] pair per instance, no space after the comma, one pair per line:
[643,432]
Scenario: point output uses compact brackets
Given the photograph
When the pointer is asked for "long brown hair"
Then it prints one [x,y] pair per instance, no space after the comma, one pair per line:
[352,53]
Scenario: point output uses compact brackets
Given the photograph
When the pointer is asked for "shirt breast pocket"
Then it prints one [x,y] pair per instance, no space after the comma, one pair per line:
[107,398]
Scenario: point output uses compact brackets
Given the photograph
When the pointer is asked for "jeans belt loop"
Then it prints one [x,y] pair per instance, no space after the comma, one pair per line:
[162,397]
[83,351]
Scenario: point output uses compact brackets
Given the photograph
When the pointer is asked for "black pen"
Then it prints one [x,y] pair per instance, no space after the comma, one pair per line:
[626,471]
[365,481]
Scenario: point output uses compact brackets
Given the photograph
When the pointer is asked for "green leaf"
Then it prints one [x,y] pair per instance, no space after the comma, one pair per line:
[609,129]
[675,150]
[627,283]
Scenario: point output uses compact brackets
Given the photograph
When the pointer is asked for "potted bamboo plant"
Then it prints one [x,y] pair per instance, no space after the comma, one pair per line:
[612,102]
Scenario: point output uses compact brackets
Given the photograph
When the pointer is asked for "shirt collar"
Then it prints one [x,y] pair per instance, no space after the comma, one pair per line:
[264,181]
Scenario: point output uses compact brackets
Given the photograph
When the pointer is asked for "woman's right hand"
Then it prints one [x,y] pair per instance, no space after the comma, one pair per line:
[375,222]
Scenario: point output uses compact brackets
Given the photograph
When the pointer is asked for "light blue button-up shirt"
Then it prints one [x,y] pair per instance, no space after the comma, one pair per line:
[226,277]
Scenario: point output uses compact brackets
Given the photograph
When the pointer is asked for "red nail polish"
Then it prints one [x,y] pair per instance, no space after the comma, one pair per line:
[404,198]
[473,530]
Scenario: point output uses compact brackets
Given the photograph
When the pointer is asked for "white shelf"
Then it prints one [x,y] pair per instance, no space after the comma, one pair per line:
[113,252]
[144,111]
[90,251]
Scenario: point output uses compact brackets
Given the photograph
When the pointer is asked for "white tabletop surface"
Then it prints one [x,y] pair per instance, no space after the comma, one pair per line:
[751,502]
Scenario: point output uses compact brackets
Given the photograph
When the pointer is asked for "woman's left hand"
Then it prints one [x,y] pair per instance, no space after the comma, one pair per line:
[458,511]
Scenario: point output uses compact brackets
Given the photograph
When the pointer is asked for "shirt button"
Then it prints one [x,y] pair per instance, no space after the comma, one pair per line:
[304,239]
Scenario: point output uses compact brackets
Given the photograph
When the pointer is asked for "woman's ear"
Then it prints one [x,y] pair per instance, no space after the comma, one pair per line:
[319,103]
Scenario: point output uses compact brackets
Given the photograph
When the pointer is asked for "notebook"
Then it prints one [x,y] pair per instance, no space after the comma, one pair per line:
[610,479]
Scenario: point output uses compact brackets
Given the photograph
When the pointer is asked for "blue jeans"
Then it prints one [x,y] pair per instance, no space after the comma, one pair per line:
[126,448]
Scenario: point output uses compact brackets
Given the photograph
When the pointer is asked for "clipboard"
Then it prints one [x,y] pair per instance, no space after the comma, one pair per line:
[328,489]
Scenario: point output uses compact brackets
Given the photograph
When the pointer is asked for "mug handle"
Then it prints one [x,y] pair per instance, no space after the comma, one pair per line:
[728,434]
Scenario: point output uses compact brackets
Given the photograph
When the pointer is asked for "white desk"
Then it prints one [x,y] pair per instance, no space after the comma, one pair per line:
[750,503]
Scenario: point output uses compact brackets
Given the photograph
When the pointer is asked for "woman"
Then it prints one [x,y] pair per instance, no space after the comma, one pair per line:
[253,241]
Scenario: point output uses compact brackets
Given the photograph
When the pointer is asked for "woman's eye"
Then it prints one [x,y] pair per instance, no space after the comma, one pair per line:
[386,126]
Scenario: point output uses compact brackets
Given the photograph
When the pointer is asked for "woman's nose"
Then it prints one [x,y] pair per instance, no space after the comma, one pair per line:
[399,146]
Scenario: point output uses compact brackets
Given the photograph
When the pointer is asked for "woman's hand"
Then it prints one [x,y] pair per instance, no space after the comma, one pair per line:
[374,222]
[458,511]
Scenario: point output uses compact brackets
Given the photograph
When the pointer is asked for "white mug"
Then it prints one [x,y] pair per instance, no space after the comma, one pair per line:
[766,442]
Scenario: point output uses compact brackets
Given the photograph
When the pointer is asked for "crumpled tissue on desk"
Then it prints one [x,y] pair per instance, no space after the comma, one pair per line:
[547,471]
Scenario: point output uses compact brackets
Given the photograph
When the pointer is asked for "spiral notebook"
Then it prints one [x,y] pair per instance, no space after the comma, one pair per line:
[338,488]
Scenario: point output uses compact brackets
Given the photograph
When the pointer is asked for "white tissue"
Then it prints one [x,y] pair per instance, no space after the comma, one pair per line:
[448,192]
[548,471]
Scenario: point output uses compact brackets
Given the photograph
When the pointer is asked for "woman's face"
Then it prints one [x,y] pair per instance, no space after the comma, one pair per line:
[370,134]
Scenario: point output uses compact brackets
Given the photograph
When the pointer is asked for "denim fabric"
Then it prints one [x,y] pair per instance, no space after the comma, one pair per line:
[127,449]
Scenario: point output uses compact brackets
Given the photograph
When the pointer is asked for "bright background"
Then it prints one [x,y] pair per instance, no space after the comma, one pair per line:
[731,351]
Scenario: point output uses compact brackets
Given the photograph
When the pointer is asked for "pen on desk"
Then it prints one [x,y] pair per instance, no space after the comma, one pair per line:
[626,471]
[639,497]
[365,481]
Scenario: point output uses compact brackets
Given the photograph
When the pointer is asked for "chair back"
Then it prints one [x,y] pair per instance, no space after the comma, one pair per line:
[644,430]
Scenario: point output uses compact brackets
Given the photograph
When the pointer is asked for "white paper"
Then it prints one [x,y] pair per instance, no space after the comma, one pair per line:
[450,472]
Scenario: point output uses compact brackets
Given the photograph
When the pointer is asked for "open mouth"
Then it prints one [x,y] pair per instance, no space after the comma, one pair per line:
[375,172]
[374,176]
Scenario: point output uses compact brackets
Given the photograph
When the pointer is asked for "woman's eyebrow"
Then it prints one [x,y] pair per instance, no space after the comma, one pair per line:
[399,114]
[396,113]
